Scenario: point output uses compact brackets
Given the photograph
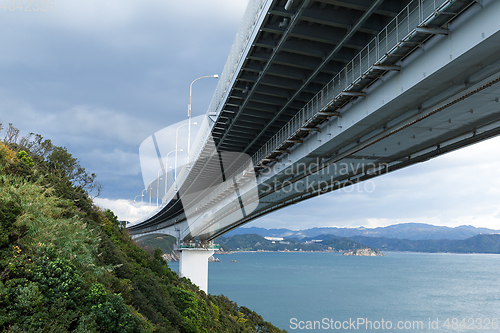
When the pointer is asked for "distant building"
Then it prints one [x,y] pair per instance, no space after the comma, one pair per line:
[274,239]
[314,241]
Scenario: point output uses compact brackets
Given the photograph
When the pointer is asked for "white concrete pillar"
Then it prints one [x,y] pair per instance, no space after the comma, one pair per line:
[193,264]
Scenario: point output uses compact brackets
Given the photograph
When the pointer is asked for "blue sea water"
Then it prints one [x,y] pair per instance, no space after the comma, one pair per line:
[329,292]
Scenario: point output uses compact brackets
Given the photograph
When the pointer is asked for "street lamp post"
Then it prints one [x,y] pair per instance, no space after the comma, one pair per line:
[166,167]
[142,199]
[149,195]
[148,191]
[176,150]
[157,186]
[215,76]
[134,202]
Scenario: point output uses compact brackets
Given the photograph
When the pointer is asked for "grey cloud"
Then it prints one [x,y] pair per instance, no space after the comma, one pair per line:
[100,77]
[462,187]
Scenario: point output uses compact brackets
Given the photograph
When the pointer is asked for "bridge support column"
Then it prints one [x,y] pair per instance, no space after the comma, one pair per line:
[193,264]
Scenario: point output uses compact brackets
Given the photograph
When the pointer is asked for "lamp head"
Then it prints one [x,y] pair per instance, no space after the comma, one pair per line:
[195,123]
[181,150]
[216,76]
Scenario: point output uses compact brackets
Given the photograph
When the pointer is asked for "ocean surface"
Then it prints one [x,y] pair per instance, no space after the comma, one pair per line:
[329,292]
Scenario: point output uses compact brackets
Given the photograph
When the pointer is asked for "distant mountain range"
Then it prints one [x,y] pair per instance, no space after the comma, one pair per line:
[477,244]
[253,242]
[409,231]
[412,237]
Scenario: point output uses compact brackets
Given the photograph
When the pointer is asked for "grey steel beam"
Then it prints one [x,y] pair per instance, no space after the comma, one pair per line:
[323,78]
[343,18]
[293,22]
[362,5]
[248,77]
[274,100]
[241,135]
[306,47]
[256,105]
[297,60]
[432,31]
[275,81]
[260,55]
[231,108]
[253,67]
[268,43]
[358,24]
[280,92]
[237,94]
[237,139]
[244,129]
[314,32]
[232,105]
[343,55]
[274,91]
[262,113]
[294,141]
[311,87]
[288,72]
[229,146]
[227,114]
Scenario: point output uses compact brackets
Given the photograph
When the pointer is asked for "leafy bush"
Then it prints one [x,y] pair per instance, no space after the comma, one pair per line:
[23,157]
[66,265]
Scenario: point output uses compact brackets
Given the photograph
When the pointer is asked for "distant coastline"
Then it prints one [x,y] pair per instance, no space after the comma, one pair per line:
[360,252]
[407,237]
[409,231]
[341,253]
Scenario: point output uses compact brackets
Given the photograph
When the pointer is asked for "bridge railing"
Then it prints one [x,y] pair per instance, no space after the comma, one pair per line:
[417,13]
[243,175]
[249,21]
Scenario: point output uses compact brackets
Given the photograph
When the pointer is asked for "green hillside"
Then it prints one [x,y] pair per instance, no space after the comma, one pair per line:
[66,265]
[165,244]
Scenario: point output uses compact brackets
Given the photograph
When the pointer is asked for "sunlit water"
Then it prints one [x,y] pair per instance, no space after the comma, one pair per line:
[339,292]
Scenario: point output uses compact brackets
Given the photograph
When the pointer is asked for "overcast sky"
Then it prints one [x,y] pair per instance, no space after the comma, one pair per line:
[100,77]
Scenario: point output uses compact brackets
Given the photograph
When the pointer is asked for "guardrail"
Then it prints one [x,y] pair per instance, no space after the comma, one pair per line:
[252,13]
[250,18]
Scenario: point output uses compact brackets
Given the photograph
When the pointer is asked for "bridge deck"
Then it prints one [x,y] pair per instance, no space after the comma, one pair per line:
[299,128]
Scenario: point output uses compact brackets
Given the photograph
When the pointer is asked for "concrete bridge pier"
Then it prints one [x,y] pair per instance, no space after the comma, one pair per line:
[193,263]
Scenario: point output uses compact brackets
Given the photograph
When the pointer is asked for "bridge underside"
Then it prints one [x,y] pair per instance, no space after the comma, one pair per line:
[439,97]
[295,52]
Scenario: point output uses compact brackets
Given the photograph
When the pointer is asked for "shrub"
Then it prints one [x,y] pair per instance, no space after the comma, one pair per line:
[66,265]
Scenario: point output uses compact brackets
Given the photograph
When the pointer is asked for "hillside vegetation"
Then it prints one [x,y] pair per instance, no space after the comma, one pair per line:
[165,243]
[66,265]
